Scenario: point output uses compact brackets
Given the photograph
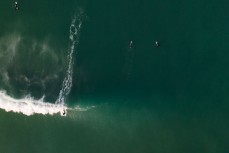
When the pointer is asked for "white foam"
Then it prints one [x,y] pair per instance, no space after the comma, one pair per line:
[28,106]
[74,40]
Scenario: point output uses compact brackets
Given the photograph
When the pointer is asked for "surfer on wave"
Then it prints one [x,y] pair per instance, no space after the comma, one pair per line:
[64,112]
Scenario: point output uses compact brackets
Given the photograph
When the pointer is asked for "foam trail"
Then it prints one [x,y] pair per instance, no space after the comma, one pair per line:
[74,40]
[28,106]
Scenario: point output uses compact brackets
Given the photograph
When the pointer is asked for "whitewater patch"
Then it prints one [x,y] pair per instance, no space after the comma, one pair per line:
[29,106]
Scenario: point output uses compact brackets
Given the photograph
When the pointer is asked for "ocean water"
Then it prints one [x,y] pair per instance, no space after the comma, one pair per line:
[85,76]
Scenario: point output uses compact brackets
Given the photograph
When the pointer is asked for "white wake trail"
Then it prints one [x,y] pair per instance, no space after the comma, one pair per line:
[74,40]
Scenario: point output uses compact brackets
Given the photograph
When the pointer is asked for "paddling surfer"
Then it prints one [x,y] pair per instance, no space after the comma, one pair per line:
[16,5]
[157,43]
[131,44]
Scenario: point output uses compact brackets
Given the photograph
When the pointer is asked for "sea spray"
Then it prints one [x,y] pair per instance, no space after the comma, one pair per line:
[74,40]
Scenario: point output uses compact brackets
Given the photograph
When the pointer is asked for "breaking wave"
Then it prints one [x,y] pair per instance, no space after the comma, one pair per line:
[28,105]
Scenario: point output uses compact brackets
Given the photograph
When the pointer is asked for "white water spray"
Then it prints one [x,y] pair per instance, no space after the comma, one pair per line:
[74,40]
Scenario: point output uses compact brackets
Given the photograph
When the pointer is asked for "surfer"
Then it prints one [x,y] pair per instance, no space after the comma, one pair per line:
[64,113]
[16,5]
[157,43]
[131,44]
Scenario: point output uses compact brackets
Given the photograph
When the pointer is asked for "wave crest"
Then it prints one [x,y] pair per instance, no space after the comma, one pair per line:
[29,106]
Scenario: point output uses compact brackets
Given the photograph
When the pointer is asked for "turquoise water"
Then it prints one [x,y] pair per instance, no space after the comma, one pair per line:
[141,98]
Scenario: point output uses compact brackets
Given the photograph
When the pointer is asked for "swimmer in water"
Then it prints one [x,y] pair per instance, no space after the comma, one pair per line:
[16,5]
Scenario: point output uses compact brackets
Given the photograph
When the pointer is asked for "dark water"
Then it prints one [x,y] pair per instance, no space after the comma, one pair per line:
[169,99]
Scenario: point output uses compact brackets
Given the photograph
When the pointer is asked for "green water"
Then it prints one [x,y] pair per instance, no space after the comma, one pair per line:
[171,99]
